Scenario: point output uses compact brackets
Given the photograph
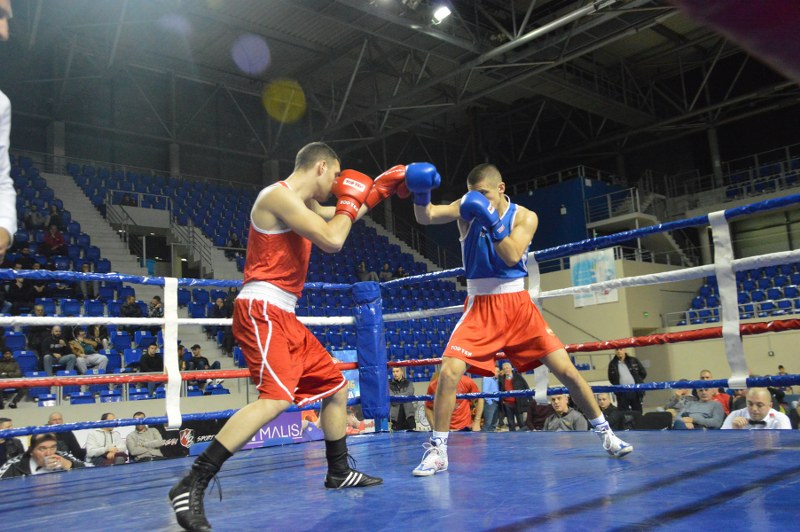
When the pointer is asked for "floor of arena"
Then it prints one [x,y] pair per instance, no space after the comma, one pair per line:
[499,481]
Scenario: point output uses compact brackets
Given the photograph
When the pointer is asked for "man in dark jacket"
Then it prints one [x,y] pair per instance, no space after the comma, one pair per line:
[67,442]
[151,362]
[9,447]
[514,408]
[55,350]
[130,309]
[42,456]
[9,369]
[401,414]
[624,369]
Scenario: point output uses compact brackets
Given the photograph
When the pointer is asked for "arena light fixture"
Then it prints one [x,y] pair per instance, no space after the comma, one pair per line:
[440,13]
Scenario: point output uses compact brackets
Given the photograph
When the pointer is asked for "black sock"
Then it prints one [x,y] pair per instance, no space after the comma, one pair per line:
[336,453]
[214,456]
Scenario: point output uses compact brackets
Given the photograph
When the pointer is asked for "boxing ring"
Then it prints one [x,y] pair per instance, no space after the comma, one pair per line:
[496,481]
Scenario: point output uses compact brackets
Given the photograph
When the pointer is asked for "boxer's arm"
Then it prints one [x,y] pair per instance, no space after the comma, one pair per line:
[516,244]
[284,205]
[326,212]
[431,214]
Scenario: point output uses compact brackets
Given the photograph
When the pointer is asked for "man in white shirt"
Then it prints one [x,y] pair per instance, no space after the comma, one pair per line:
[8,196]
[759,413]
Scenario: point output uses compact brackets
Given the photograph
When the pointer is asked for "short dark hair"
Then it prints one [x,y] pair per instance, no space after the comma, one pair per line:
[37,439]
[139,413]
[311,153]
[4,420]
[104,417]
[481,172]
[157,298]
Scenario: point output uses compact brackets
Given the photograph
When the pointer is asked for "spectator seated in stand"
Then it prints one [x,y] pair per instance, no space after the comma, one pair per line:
[144,443]
[233,242]
[200,363]
[155,310]
[53,243]
[35,219]
[85,349]
[55,218]
[25,258]
[680,397]
[9,369]
[564,418]
[128,201]
[67,442]
[20,294]
[400,272]
[10,448]
[130,309]
[385,273]
[84,290]
[151,362]
[54,350]
[610,411]
[705,413]
[42,456]
[365,275]
[104,445]
[36,333]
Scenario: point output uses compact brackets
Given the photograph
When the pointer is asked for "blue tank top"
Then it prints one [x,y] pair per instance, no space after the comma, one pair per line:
[481,261]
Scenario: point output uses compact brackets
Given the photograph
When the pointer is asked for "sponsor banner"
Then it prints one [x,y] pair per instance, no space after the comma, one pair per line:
[593,267]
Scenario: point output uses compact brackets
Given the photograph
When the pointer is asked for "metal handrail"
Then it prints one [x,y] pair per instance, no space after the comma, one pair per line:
[187,236]
[116,215]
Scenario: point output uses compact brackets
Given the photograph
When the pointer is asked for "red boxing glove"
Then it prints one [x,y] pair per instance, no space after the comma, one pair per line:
[351,188]
[385,185]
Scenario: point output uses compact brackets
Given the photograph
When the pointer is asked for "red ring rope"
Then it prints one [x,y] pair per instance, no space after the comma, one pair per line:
[640,341]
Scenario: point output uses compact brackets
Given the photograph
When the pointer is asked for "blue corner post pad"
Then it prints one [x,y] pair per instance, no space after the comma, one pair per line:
[371,345]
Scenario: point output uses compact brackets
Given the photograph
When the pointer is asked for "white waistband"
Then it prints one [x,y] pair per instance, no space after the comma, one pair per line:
[491,285]
[270,293]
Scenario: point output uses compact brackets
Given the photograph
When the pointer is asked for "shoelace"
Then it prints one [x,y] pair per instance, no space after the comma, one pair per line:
[200,486]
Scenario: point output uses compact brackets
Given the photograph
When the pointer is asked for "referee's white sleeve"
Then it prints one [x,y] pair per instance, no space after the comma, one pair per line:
[8,196]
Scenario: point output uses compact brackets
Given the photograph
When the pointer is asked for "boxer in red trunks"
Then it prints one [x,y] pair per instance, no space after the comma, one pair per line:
[498,313]
[287,363]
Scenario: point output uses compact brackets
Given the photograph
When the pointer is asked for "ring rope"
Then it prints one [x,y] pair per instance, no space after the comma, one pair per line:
[617,238]
[127,422]
[87,380]
[751,382]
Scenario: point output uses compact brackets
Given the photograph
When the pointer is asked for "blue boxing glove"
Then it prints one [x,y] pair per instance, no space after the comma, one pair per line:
[474,205]
[421,178]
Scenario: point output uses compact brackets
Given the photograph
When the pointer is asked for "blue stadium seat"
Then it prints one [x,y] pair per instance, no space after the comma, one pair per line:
[132,357]
[110,396]
[143,339]
[200,295]
[15,341]
[70,307]
[184,297]
[121,341]
[94,307]
[106,293]
[197,310]
[66,390]
[125,291]
[102,266]
[114,307]
[114,360]
[27,360]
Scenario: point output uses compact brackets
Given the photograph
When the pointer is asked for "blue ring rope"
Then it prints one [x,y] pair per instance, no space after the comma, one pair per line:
[752,382]
[126,422]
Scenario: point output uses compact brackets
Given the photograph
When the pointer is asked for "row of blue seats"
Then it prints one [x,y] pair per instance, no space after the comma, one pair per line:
[749,296]
[763,309]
